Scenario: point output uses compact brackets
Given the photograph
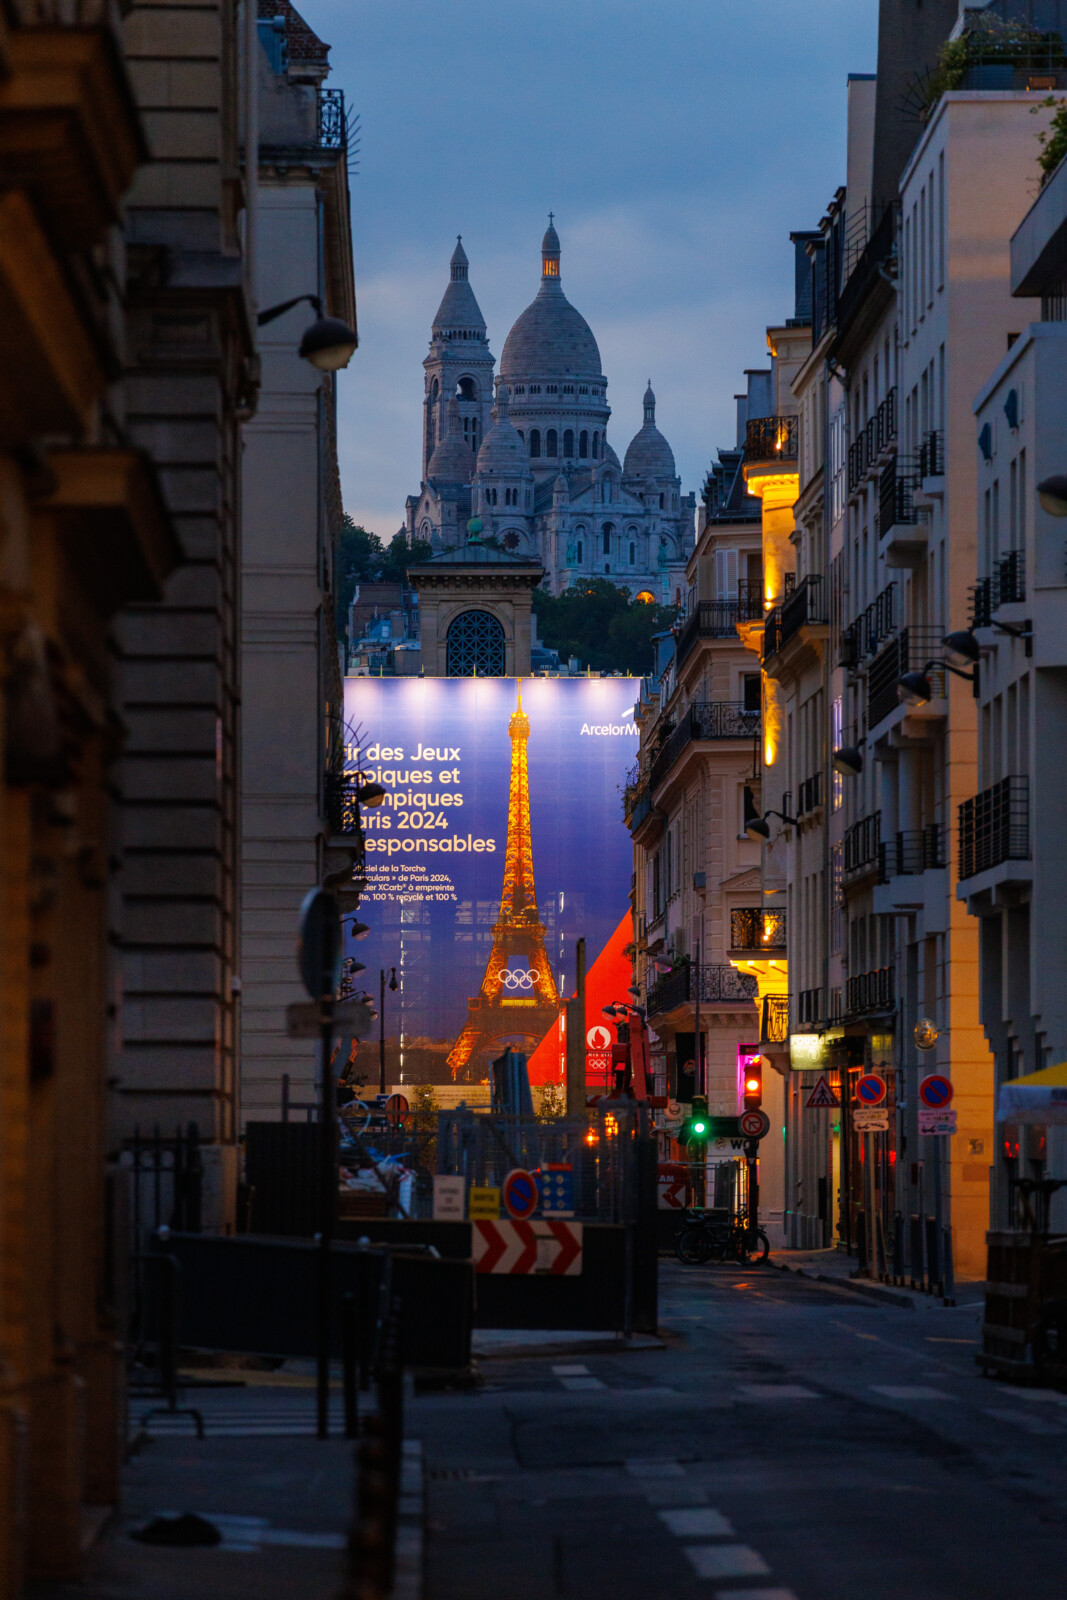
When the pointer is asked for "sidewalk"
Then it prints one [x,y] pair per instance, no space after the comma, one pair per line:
[835,1267]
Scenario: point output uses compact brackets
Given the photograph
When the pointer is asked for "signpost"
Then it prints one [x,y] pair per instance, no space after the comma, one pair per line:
[870,1089]
[557,1189]
[874,1121]
[936,1091]
[521,1194]
[755,1124]
[483,1201]
[447,1197]
[936,1122]
[396,1110]
[822,1097]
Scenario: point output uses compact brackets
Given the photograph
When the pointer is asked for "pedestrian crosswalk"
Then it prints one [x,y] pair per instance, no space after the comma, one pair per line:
[239,1415]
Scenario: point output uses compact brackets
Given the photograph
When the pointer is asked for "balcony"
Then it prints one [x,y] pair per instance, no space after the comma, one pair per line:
[861,845]
[932,454]
[809,1007]
[333,124]
[870,992]
[771,439]
[901,534]
[874,438]
[718,619]
[720,984]
[909,651]
[774,1027]
[804,608]
[341,806]
[754,929]
[809,795]
[1006,585]
[911,851]
[995,827]
[868,271]
[704,720]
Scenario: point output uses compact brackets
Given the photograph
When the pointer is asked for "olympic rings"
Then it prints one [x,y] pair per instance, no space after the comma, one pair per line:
[517,978]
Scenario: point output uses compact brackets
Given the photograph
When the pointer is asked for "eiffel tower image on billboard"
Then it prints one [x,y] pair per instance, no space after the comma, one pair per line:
[518,995]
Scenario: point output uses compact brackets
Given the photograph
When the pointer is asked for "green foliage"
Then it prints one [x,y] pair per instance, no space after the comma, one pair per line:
[596,621]
[1053,139]
[424,1109]
[362,558]
[988,41]
[553,1103]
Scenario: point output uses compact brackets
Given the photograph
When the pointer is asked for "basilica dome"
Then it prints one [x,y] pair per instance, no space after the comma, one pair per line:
[502,448]
[649,455]
[550,339]
[453,459]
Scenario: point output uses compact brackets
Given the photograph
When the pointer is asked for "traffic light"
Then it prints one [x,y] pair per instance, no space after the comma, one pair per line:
[753,1090]
[697,1126]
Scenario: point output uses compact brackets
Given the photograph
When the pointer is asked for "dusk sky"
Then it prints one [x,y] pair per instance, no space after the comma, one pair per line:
[678,144]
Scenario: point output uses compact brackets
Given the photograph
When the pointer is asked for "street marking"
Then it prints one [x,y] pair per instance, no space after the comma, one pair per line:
[726,1561]
[1021,1420]
[645,1467]
[248,1535]
[850,1329]
[582,1383]
[776,1391]
[904,1391]
[697,1522]
[577,1370]
[1043,1394]
[754,1594]
[933,1339]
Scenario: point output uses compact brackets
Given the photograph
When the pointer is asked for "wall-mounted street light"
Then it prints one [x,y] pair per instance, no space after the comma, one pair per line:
[758,828]
[369,794]
[848,761]
[329,344]
[1052,493]
[915,688]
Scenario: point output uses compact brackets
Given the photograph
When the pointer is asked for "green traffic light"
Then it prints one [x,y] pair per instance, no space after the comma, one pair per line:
[699,1127]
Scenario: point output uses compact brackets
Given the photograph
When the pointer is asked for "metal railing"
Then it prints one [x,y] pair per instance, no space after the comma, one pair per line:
[755,929]
[809,1005]
[771,439]
[333,124]
[774,1028]
[715,619]
[720,984]
[911,851]
[342,808]
[804,605]
[876,435]
[705,719]
[879,248]
[870,991]
[909,651]
[862,842]
[995,826]
[932,454]
[1006,585]
[809,795]
[896,488]
[870,628]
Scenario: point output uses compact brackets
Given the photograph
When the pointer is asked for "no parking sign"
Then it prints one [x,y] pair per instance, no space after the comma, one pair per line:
[520,1194]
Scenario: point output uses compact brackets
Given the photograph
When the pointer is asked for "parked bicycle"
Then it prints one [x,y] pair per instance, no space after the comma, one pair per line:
[719,1235]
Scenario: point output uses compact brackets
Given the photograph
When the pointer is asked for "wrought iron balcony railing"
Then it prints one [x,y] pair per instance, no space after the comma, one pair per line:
[803,606]
[909,651]
[774,1027]
[720,984]
[878,249]
[896,488]
[809,795]
[912,851]
[705,719]
[771,439]
[861,844]
[342,810]
[333,124]
[870,991]
[715,619]
[809,1005]
[1005,585]
[932,454]
[754,929]
[995,826]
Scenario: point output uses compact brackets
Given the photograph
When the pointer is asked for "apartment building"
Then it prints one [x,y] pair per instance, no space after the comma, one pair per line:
[698,888]
[291,659]
[1012,872]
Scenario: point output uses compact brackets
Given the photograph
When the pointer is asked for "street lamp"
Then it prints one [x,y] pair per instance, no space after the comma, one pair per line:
[369,794]
[848,761]
[394,986]
[915,688]
[758,828]
[328,344]
[1052,493]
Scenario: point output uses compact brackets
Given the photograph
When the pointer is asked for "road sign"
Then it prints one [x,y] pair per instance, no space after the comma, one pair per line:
[936,1091]
[822,1097]
[754,1124]
[870,1089]
[320,948]
[936,1122]
[557,1188]
[870,1121]
[521,1194]
[447,1197]
[483,1201]
[599,1038]
[304,1019]
[396,1109]
[517,1248]
[671,1178]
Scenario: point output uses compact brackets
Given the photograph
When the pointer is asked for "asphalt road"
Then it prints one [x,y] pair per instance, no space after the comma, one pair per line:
[790,1442]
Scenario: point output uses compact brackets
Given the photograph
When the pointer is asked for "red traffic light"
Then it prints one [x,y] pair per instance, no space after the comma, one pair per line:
[752,1095]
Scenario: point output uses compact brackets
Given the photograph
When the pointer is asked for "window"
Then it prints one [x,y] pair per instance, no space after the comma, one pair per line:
[633,554]
[661,502]
[568,388]
[550,443]
[535,442]
[837,735]
[596,447]
[552,388]
[606,567]
[475,647]
[726,574]
[581,557]
[583,445]
[466,389]
[608,531]
[568,443]
[435,389]
[750,691]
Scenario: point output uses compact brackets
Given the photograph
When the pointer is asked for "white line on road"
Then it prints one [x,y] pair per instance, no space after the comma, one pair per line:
[754,1594]
[726,1561]
[582,1383]
[574,1370]
[776,1391]
[698,1522]
[646,1467]
[914,1391]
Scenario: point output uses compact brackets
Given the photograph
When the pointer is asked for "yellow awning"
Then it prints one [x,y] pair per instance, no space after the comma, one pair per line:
[1054,1077]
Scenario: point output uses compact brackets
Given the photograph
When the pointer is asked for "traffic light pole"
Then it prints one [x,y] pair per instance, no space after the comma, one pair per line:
[751,1162]
[701,1086]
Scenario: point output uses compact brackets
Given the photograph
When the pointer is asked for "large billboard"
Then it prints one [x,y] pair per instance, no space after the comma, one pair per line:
[501,842]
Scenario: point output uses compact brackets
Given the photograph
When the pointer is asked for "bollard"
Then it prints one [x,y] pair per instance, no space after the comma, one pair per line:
[861,1243]
[898,1248]
[933,1257]
[915,1252]
[948,1277]
[349,1343]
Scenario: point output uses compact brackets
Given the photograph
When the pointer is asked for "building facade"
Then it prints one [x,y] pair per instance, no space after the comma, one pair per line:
[533,461]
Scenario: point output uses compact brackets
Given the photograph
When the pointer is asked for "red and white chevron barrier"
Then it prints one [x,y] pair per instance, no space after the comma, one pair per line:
[553,1248]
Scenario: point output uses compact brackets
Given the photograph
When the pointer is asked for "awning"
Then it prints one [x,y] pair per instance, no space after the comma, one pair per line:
[1039,1097]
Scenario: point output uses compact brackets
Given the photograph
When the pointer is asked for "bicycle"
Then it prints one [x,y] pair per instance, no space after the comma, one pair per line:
[719,1234]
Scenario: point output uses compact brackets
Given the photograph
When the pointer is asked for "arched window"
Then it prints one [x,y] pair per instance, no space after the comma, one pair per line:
[583,445]
[568,443]
[633,554]
[535,442]
[550,443]
[607,567]
[435,389]
[596,446]
[467,389]
[475,646]
[661,502]
[608,531]
[521,435]
[580,555]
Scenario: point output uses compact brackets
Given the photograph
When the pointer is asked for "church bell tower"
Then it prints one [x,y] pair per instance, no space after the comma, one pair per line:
[458,363]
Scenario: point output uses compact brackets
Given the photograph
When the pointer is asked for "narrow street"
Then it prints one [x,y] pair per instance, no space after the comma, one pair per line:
[789,1440]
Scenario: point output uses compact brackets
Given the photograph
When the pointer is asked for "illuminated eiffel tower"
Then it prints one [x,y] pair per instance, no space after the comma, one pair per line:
[514,998]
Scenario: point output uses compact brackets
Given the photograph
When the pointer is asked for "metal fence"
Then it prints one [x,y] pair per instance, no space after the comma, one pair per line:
[995,826]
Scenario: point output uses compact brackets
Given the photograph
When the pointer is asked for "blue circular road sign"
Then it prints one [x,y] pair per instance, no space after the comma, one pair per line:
[870,1089]
[935,1091]
[521,1194]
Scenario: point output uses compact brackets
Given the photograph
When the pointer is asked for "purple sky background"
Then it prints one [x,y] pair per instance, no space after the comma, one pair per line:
[678,145]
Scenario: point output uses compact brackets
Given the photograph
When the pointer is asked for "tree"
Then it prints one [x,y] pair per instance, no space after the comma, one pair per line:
[597,621]
[362,558]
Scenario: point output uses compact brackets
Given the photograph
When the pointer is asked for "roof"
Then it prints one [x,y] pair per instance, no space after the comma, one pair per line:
[649,455]
[550,339]
[476,554]
[304,42]
[502,449]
